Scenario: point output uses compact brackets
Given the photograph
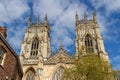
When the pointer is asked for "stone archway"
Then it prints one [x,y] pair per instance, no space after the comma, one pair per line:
[29,74]
[57,75]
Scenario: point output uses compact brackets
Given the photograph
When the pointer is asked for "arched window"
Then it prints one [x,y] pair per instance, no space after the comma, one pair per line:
[88,43]
[30,75]
[58,74]
[34,48]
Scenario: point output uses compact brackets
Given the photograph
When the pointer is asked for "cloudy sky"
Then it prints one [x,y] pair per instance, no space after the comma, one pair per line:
[61,14]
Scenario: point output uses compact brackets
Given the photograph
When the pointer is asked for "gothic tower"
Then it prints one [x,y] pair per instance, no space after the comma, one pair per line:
[35,56]
[36,42]
[35,46]
[88,37]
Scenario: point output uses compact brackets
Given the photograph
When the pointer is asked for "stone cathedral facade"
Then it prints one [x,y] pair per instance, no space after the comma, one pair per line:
[35,55]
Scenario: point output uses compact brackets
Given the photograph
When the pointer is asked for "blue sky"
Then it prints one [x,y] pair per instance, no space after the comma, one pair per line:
[61,14]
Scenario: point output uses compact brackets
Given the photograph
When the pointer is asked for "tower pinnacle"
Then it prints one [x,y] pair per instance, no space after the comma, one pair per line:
[94,17]
[38,20]
[61,46]
[29,21]
[85,16]
[46,20]
[77,18]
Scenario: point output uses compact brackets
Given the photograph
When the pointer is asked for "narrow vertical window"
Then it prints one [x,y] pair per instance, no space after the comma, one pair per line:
[34,48]
[2,52]
[88,43]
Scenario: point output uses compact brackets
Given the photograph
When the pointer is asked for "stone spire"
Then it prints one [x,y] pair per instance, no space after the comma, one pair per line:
[61,46]
[85,16]
[29,21]
[46,20]
[77,18]
[94,17]
[38,20]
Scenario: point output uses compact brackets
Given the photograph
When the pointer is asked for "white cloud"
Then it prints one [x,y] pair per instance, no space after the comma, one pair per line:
[109,5]
[53,8]
[107,29]
[12,13]
[11,10]
[116,67]
[15,36]
[117,58]
[62,13]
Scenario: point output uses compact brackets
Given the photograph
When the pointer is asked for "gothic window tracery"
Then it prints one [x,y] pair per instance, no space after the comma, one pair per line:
[88,43]
[58,74]
[30,75]
[34,48]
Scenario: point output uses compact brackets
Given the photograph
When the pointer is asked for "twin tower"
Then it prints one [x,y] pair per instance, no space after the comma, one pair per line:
[36,49]
[36,42]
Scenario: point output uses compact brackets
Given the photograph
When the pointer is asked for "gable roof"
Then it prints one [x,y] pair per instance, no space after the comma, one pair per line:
[60,57]
[12,51]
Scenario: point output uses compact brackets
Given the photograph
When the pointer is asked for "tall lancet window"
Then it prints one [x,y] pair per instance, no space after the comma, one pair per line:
[34,48]
[30,75]
[58,74]
[88,43]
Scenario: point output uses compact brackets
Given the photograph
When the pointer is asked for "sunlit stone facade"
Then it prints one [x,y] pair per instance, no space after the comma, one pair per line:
[88,37]
[35,53]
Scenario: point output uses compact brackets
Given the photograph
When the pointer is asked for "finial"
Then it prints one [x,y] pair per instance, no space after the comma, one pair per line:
[61,46]
[46,20]
[85,16]
[38,20]
[29,21]
[76,16]
[46,17]
[94,13]
[30,18]
[94,17]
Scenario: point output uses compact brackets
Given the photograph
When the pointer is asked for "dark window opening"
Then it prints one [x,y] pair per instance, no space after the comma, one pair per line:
[88,44]
[34,48]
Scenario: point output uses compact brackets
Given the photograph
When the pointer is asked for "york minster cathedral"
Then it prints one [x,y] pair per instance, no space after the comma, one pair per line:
[35,56]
